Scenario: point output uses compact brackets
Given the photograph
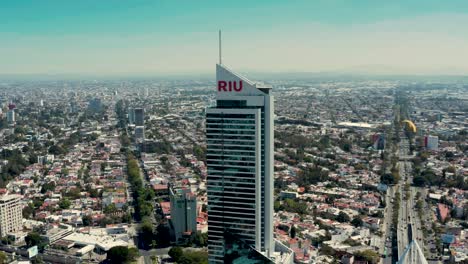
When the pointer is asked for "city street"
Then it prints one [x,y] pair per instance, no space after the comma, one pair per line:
[403,234]
[409,226]
[386,248]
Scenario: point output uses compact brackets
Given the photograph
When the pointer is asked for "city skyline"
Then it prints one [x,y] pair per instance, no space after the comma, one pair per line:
[167,38]
[331,170]
[126,136]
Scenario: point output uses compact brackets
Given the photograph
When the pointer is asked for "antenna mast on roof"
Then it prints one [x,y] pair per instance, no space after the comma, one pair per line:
[220,58]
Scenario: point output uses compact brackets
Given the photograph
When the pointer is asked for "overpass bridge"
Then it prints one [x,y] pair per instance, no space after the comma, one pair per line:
[412,255]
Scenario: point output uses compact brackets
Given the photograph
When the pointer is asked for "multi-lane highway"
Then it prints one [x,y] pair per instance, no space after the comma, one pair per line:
[404,227]
[386,248]
[409,226]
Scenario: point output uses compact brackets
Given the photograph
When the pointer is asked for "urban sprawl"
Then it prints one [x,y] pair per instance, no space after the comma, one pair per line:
[365,171]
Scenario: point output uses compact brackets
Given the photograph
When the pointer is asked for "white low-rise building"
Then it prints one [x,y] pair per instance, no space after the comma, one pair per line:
[102,243]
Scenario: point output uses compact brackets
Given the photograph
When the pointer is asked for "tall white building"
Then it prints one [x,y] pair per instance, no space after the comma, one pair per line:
[432,142]
[239,138]
[11,117]
[11,216]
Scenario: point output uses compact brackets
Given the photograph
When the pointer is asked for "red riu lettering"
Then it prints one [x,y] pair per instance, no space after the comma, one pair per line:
[222,86]
[238,89]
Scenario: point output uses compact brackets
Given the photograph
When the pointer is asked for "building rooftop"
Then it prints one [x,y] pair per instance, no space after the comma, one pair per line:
[102,241]
[9,197]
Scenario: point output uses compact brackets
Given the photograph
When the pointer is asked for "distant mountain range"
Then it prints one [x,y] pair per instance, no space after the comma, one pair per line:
[364,72]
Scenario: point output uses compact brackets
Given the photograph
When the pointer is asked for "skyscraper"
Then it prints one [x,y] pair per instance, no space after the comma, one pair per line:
[11,114]
[95,105]
[239,138]
[131,116]
[11,117]
[183,213]
[139,133]
[139,116]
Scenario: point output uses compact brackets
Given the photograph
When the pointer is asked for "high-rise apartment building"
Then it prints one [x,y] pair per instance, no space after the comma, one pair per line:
[131,116]
[239,138]
[11,216]
[95,105]
[432,142]
[11,116]
[139,133]
[139,116]
[183,213]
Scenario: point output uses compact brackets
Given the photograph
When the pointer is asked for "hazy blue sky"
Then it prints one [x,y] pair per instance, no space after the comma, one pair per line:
[130,37]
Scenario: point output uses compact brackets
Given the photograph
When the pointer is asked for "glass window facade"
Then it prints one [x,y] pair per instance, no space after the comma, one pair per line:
[233,141]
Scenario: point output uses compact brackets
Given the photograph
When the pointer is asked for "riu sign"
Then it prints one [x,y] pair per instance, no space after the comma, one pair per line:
[229,86]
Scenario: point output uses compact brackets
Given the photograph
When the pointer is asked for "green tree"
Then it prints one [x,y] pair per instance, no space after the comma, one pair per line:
[451,169]
[176,253]
[56,150]
[121,254]
[34,239]
[277,206]
[146,231]
[424,155]
[347,147]
[291,205]
[342,217]
[357,222]
[360,166]
[127,218]
[162,233]
[74,193]
[28,211]
[419,181]
[200,239]
[64,171]
[111,208]
[49,186]
[199,152]
[64,203]
[3,258]
[103,166]
[37,260]
[293,231]
[368,255]
[194,257]
[37,202]
[19,130]
[312,175]
[327,250]
[449,155]
[87,220]
[93,193]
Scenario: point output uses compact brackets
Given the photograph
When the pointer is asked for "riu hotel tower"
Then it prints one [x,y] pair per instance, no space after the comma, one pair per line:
[239,138]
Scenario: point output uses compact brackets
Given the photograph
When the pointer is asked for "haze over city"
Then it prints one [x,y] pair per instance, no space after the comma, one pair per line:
[178,37]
